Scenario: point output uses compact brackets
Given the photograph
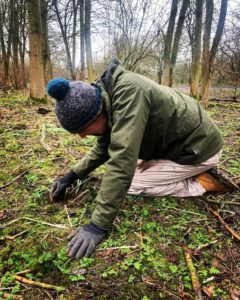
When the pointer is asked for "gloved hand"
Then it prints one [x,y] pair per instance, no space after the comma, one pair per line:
[84,240]
[60,185]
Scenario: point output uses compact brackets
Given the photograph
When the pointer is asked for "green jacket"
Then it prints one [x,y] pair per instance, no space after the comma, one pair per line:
[146,121]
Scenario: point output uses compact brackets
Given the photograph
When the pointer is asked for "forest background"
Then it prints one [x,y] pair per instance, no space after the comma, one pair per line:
[160,248]
[173,42]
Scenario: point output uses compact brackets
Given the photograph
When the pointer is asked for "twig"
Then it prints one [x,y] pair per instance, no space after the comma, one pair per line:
[140,233]
[69,219]
[40,284]
[222,202]
[23,272]
[42,140]
[61,226]
[223,222]
[199,248]
[48,294]
[11,296]
[79,196]
[15,179]
[9,237]
[181,210]
[118,248]
[193,273]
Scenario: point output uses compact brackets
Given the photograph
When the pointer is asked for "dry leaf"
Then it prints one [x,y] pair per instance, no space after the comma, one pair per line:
[208,290]
[235,294]
[215,263]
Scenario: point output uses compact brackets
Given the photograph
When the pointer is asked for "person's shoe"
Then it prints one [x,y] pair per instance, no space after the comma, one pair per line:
[224,177]
[216,180]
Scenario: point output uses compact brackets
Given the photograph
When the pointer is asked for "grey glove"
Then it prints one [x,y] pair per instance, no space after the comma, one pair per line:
[60,185]
[84,240]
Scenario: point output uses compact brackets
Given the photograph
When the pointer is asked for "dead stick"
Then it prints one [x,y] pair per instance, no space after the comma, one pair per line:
[61,226]
[193,273]
[23,272]
[12,237]
[222,202]
[40,284]
[69,219]
[15,179]
[11,296]
[42,140]
[118,248]
[79,196]
[199,248]
[223,222]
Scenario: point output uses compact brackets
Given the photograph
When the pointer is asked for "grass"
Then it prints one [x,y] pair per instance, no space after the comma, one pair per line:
[143,257]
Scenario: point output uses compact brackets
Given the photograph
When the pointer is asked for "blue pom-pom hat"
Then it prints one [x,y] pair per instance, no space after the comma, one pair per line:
[78,104]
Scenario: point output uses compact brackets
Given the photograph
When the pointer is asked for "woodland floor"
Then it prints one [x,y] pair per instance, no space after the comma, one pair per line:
[144,255]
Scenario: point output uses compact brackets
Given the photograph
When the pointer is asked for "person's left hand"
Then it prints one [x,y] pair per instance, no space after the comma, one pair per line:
[84,240]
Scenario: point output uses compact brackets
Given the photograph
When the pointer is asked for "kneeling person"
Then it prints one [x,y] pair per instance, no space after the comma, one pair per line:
[153,139]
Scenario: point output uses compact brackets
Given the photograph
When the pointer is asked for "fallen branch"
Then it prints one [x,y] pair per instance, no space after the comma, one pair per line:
[61,226]
[39,284]
[9,237]
[222,202]
[193,273]
[42,140]
[118,248]
[23,272]
[11,296]
[79,196]
[69,219]
[15,179]
[199,248]
[224,223]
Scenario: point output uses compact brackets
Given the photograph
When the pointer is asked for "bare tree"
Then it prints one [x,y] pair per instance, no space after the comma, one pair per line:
[6,29]
[168,42]
[206,43]
[37,83]
[64,13]
[209,56]
[133,29]
[177,37]
[228,59]
[47,64]
[196,49]
[82,40]
[87,30]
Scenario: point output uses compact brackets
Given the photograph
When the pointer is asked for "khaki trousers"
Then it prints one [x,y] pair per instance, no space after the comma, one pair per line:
[165,177]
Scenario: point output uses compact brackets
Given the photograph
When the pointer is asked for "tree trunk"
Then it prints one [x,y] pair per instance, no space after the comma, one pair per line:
[88,41]
[3,50]
[75,9]
[22,45]
[47,64]
[65,40]
[15,42]
[178,34]
[37,86]
[196,50]
[213,51]
[206,48]
[82,40]
[168,43]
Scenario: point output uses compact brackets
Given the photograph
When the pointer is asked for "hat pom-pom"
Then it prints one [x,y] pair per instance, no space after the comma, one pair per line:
[58,88]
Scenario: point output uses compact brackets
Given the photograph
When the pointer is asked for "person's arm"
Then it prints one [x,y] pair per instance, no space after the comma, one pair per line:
[92,160]
[131,111]
[130,115]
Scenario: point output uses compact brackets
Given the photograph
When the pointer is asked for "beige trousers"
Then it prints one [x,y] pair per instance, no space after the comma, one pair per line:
[165,177]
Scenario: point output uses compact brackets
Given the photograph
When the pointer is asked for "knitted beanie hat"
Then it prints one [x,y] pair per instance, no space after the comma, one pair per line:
[78,104]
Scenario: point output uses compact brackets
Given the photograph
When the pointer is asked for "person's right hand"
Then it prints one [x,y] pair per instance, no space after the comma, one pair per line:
[60,185]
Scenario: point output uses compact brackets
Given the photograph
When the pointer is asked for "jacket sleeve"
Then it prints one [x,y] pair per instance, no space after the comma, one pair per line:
[130,115]
[97,156]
